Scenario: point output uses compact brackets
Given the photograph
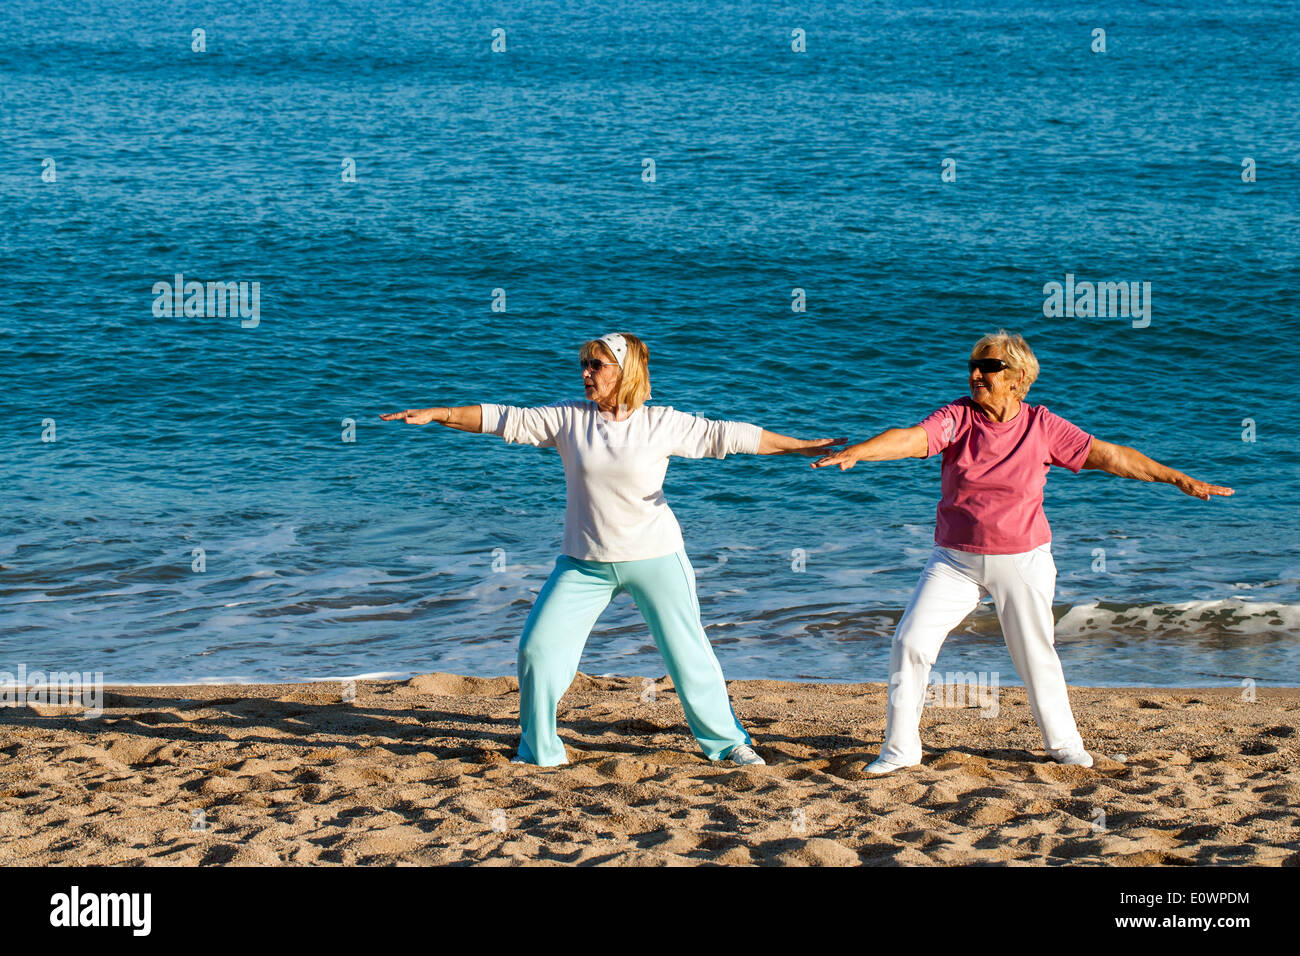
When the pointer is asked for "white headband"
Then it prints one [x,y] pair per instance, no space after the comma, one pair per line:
[616,344]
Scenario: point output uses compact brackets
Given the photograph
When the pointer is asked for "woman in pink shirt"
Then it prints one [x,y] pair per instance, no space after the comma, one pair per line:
[991,537]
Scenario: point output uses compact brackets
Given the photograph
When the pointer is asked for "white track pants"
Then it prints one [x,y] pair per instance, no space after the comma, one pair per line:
[952,583]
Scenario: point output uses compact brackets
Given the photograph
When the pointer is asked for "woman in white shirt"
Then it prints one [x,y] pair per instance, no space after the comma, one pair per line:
[619,535]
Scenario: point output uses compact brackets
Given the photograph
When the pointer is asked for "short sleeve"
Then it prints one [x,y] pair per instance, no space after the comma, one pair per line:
[535,426]
[695,437]
[944,425]
[1067,444]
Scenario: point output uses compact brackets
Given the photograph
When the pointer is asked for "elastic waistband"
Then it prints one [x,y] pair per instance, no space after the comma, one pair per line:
[610,564]
[1045,546]
[613,567]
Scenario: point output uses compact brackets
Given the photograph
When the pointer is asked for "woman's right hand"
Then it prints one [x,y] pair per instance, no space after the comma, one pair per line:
[889,445]
[414,416]
[845,458]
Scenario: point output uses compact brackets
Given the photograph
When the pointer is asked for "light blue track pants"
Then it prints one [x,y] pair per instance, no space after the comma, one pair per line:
[566,610]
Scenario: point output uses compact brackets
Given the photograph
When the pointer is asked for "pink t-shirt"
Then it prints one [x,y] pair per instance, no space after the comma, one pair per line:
[994,472]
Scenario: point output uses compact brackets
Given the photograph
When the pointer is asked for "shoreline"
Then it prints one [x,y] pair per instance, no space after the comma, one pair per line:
[395,677]
[417,771]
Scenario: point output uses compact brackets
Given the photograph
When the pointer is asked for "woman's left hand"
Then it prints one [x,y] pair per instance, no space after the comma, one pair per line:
[1199,489]
[773,443]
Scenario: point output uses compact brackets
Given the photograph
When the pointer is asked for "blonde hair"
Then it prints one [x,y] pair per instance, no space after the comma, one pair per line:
[1015,352]
[634,381]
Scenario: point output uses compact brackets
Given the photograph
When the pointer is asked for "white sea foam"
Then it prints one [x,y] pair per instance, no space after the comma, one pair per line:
[1225,615]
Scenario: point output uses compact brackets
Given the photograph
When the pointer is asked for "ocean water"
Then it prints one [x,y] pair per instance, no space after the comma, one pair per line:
[333,550]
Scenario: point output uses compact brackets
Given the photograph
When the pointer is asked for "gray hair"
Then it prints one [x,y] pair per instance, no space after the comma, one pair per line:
[1016,353]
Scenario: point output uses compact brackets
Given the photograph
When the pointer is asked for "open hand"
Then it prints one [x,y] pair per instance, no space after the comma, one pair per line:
[844,458]
[1200,489]
[412,416]
[820,446]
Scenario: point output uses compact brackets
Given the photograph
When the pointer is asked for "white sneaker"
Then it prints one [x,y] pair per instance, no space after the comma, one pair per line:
[744,755]
[881,766]
[1074,758]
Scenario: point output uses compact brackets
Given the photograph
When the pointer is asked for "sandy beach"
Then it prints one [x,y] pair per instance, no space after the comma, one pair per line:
[418,772]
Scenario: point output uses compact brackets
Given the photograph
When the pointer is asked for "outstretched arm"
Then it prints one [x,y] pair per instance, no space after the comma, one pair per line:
[889,445]
[773,444]
[692,436]
[468,418]
[1131,463]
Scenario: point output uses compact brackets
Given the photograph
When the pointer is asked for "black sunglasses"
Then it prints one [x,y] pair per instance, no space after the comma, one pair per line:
[988,365]
[593,364]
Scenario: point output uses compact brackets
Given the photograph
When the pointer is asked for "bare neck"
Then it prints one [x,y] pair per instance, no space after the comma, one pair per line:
[1001,412]
[614,410]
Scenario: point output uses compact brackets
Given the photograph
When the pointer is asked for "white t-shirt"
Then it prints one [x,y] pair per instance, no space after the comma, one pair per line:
[614,471]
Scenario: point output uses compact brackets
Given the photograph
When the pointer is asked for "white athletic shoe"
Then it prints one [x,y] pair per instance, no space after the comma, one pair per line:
[881,766]
[744,755]
[1074,758]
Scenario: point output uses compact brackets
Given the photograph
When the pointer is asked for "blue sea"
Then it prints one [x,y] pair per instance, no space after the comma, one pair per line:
[809,212]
